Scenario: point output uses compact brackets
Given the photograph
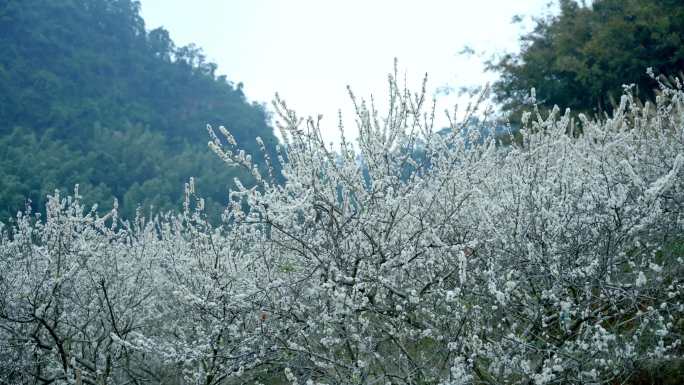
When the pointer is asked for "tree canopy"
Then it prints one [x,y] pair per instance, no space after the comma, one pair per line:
[89,97]
[581,57]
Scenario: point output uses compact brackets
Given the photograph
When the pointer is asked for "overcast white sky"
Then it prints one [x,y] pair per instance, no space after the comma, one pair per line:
[309,50]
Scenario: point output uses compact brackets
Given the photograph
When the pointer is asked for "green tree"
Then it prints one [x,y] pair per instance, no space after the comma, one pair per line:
[581,57]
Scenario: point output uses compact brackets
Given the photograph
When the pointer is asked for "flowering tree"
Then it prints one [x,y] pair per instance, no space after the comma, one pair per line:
[72,289]
[545,262]
[415,257]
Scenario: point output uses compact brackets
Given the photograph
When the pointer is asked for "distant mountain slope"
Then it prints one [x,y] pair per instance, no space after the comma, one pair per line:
[88,96]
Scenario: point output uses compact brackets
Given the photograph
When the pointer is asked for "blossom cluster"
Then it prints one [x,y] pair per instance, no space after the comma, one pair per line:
[416,256]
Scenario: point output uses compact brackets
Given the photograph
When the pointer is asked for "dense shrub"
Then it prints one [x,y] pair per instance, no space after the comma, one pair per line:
[558,260]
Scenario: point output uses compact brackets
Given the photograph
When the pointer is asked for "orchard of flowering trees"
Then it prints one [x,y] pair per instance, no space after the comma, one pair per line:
[555,260]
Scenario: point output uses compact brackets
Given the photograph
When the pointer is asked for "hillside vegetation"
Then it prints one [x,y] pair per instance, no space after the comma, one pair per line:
[89,97]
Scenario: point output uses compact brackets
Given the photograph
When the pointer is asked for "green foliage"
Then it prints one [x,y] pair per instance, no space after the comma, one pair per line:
[581,58]
[89,97]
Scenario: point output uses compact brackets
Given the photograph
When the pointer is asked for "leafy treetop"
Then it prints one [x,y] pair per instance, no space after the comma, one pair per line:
[580,58]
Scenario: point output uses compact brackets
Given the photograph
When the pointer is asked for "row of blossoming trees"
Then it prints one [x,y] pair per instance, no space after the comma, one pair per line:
[556,260]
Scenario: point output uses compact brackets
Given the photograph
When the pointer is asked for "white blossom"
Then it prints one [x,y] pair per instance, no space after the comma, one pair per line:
[416,256]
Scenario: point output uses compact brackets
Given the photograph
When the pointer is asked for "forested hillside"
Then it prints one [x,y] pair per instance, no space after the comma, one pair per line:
[89,97]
